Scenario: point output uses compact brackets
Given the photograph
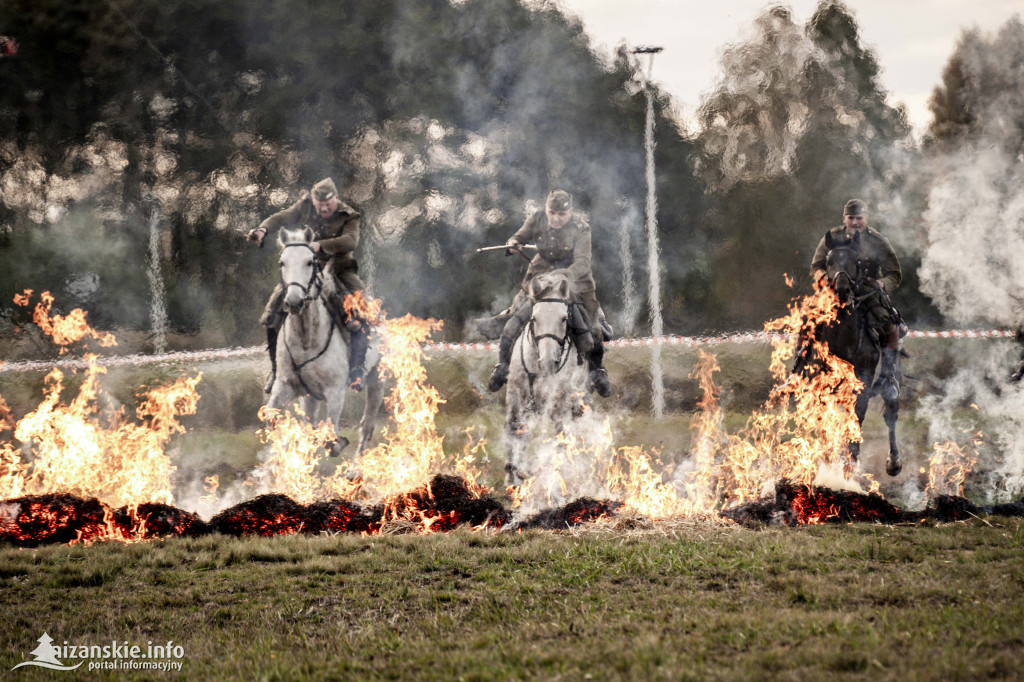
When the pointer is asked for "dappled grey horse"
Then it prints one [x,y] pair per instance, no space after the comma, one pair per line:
[312,351]
[546,376]
[849,338]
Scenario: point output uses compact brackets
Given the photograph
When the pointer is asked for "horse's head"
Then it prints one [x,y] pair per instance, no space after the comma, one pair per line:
[549,326]
[841,267]
[300,269]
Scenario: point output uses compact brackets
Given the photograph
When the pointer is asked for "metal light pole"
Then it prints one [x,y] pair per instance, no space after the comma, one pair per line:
[157,291]
[653,250]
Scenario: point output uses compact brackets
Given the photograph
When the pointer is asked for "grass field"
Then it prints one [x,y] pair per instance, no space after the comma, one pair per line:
[639,601]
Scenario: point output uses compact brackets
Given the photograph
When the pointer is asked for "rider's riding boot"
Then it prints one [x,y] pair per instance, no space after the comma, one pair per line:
[359,341]
[342,317]
[888,383]
[272,349]
[499,375]
[598,376]
[1019,372]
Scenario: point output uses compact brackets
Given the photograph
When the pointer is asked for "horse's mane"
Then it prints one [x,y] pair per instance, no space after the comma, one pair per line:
[544,284]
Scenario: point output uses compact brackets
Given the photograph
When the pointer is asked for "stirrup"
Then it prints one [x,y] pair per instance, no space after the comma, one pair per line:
[499,375]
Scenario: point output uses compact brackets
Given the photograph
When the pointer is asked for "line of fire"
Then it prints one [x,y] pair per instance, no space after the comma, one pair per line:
[77,471]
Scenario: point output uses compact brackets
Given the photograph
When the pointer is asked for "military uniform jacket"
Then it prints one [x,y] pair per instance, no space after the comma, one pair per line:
[338,235]
[873,250]
[566,248]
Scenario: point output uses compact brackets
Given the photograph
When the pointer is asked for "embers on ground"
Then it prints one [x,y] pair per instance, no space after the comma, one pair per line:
[796,504]
[441,505]
[35,520]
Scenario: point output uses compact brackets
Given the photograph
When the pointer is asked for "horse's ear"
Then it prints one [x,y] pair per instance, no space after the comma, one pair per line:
[830,242]
[308,234]
[280,238]
[563,289]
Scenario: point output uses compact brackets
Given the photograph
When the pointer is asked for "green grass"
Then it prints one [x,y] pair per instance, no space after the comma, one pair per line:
[675,601]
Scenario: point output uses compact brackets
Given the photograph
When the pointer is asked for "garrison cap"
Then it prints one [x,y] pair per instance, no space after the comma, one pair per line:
[324,190]
[559,200]
[855,207]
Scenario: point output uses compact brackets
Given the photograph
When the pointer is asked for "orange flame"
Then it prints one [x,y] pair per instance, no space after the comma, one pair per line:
[64,330]
[362,307]
[948,467]
[79,449]
[411,450]
[800,434]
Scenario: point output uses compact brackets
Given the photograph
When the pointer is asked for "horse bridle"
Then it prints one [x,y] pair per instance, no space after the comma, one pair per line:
[563,345]
[315,278]
[854,281]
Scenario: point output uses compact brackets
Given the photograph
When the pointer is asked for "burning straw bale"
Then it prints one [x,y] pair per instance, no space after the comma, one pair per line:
[35,520]
[339,516]
[950,508]
[272,514]
[156,520]
[446,502]
[583,510]
[796,504]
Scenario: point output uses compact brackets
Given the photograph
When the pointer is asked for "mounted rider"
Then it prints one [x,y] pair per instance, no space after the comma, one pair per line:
[563,243]
[336,226]
[880,275]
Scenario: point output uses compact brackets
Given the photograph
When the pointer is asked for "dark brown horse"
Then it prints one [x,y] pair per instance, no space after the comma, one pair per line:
[850,338]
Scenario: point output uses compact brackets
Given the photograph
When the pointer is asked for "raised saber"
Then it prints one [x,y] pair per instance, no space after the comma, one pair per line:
[505,246]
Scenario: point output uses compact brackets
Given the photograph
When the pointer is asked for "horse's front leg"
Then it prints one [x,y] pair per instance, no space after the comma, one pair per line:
[281,395]
[335,400]
[374,397]
[860,409]
[517,438]
[894,465]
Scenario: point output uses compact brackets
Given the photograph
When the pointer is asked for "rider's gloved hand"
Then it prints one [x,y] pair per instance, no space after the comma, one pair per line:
[257,234]
[512,247]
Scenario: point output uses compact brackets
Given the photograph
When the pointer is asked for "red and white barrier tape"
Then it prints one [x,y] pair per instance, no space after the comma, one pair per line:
[239,352]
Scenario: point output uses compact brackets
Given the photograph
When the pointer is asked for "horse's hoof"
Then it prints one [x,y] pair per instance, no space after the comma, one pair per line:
[339,444]
[600,383]
[514,476]
[894,465]
[499,375]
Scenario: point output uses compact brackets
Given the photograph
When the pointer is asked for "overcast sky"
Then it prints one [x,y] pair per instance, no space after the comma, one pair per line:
[912,39]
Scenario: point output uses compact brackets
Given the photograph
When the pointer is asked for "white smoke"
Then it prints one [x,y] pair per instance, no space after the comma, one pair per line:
[974,232]
[971,266]
[979,409]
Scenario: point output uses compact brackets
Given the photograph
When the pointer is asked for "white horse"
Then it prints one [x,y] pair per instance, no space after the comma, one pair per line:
[312,351]
[545,377]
